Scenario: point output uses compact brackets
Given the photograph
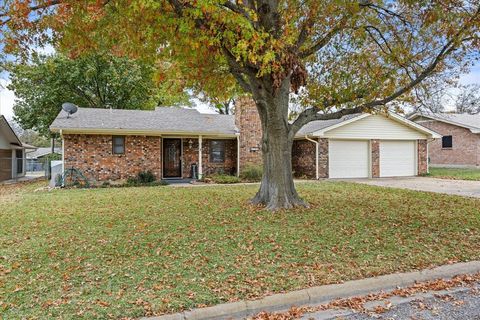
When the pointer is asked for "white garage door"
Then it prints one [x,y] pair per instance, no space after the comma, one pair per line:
[348,159]
[397,158]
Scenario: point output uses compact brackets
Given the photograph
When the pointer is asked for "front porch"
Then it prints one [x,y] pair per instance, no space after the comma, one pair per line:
[196,157]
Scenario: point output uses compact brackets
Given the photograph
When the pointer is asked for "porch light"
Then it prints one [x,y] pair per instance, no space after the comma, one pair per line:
[254,149]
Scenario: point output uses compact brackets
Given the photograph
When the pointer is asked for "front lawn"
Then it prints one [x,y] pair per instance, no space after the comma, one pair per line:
[455,173]
[131,252]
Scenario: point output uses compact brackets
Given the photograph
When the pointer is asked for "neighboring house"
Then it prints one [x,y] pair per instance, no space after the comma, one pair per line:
[460,143]
[12,153]
[116,144]
[36,159]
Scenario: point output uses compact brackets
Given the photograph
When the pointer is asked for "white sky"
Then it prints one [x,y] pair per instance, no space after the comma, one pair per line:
[7,97]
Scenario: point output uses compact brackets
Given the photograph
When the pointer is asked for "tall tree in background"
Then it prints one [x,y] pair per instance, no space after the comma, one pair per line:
[93,81]
[449,97]
[339,56]
[468,99]
[30,137]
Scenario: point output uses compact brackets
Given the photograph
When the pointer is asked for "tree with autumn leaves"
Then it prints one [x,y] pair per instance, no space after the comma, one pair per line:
[335,57]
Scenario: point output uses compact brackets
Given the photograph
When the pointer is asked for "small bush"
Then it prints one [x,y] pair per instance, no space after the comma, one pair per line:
[132,181]
[105,184]
[224,179]
[252,173]
[144,178]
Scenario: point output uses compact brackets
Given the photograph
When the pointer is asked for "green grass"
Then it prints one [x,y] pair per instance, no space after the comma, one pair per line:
[130,252]
[455,173]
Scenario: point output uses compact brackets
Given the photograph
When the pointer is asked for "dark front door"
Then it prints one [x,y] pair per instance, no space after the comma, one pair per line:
[172,165]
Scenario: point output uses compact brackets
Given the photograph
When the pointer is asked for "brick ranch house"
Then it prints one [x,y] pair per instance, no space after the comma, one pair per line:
[108,145]
[460,143]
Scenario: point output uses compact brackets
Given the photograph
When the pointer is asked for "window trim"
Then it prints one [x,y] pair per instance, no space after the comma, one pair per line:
[451,142]
[113,145]
[211,144]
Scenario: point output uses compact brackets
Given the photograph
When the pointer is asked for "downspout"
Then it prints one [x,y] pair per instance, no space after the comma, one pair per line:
[238,155]
[63,152]
[200,167]
[316,155]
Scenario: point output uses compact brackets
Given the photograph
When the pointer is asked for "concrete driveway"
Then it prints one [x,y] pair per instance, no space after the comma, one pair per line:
[456,187]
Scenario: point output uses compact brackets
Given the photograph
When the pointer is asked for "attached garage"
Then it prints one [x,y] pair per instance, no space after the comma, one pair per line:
[349,159]
[369,146]
[398,158]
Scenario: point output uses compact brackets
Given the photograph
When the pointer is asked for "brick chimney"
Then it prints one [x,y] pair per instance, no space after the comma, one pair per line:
[248,122]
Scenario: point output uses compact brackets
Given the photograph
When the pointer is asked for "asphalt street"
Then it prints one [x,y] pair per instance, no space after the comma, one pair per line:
[457,304]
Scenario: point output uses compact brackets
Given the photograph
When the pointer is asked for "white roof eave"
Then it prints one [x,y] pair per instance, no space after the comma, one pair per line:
[398,118]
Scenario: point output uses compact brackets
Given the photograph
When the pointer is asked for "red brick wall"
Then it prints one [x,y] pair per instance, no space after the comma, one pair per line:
[92,154]
[422,157]
[303,159]
[190,156]
[323,158]
[248,122]
[465,150]
[375,146]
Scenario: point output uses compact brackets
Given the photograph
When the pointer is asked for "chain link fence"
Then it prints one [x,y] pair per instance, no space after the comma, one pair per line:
[15,168]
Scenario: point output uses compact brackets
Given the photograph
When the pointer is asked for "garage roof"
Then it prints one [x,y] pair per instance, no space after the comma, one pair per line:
[318,128]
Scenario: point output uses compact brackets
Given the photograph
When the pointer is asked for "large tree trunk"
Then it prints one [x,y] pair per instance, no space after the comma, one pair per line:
[277,190]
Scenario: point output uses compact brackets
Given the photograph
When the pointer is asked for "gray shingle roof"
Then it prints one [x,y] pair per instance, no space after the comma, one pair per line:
[167,119]
[470,121]
[40,152]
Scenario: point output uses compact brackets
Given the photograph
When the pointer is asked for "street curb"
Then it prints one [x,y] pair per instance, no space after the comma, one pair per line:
[321,294]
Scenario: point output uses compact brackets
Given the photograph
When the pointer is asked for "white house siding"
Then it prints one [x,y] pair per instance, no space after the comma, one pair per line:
[375,127]
[4,144]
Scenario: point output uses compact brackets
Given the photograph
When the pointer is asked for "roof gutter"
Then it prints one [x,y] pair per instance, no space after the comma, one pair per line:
[316,155]
[140,132]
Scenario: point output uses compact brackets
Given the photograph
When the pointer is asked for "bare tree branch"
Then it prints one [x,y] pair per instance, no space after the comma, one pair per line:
[322,42]
[177,6]
[239,10]
[31,9]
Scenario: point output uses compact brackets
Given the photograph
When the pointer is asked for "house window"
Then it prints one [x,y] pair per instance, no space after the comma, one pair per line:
[217,151]
[447,142]
[118,143]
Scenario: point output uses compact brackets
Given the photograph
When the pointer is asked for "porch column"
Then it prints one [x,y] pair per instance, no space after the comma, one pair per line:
[14,164]
[200,169]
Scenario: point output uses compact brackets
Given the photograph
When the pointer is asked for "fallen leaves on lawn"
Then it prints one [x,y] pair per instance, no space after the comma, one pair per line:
[357,303]
[144,252]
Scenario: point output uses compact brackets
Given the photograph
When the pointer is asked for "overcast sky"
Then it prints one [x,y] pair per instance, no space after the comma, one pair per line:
[7,97]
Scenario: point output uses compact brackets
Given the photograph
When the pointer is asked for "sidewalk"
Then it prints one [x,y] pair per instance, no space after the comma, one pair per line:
[324,295]
[28,177]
